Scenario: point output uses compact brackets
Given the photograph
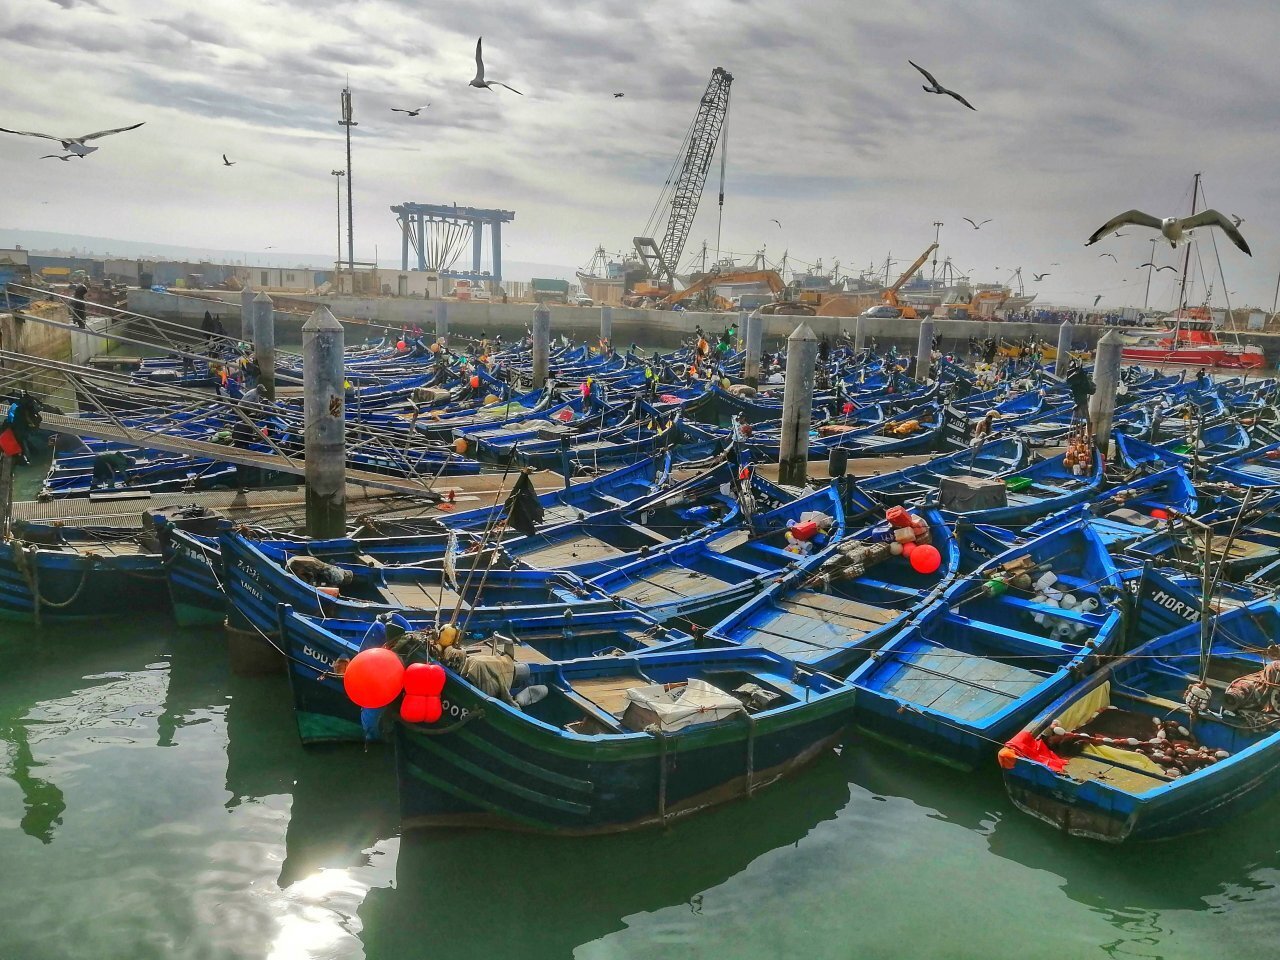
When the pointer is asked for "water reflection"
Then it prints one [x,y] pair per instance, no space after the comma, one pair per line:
[481,894]
[1133,887]
[43,803]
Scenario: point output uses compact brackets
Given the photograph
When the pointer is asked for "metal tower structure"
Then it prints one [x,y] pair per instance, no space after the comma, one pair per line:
[438,234]
[684,186]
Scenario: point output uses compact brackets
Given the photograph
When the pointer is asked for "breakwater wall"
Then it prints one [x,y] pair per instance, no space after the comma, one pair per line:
[649,328]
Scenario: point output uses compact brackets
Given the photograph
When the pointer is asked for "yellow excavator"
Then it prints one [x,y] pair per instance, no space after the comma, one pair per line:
[890,296]
[703,285]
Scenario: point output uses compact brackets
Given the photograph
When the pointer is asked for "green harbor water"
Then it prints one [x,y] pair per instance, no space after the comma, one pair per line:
[154,805]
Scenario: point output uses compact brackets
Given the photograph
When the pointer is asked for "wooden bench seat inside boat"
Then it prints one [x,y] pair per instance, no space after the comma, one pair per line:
[426,596]
[563,553]
[670,582]
[961,685]
[808,624]
[610,693]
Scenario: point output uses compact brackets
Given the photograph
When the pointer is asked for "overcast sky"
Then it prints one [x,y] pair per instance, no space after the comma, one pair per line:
[1083,110]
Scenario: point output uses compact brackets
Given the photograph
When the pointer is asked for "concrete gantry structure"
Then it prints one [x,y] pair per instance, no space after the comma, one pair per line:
[437,232]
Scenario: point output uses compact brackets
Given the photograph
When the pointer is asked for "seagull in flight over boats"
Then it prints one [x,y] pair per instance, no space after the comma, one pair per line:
[777,222]
[935,87]
[60,156]
[1174,229]
[976,226]
[1158,269]
[618,96]
[1237,220]
[1096,299]
[228,163]
[479,80]
[77,145]
[1037,277]
[411,113]
[1111,255]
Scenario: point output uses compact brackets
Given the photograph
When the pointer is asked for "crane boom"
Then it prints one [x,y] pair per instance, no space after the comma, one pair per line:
[890,295]
[768,277]
[661,260]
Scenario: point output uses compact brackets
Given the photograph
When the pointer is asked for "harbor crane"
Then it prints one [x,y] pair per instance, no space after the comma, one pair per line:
[685,184]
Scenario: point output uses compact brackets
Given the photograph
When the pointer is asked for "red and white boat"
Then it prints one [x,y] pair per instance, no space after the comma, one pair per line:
[1191,343]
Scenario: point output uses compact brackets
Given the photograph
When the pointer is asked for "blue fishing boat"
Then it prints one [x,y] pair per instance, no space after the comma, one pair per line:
[832,617]
[613,744]
[1121,756]
[318,657]
[998,646]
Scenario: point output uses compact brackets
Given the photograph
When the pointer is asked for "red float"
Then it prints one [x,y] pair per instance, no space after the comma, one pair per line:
[925,558]
[373,678]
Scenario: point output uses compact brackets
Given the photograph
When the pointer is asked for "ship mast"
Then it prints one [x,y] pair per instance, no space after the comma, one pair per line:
[1186,265]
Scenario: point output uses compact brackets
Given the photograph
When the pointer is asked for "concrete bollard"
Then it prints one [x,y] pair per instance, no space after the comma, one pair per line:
[246,311]
[924,350]
[442,321]
[753,336]
[1063,359]
[264,343]
[797,406]
[606,323]
[859,335]
[541,345]
[1106,376]
[402,285]
[325,443]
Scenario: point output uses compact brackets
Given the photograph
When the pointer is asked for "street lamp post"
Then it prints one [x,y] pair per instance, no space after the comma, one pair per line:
[937,232]
[1151,265]
[348,121]
[337,175]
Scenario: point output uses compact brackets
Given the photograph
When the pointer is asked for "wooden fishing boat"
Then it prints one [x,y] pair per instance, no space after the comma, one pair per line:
[832,617]
[50,573]
[617,743]
[1120,756]
[317,657]
[999,456]
[971,670]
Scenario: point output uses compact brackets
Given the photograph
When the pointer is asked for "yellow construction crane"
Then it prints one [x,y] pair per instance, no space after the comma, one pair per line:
[890,295]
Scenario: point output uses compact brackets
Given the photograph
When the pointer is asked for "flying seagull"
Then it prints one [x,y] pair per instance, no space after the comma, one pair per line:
[976,226]
[777,222]
[60,156]
[1158,269]
[1237,220]
[1174,229]
[76,145]
[935,87]
[412,113]
[1039,276]
[1111,255]
[480,81]
[228,163]
[1096,299]
[618,96]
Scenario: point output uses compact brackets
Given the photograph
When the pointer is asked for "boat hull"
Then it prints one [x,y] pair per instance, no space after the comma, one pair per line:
[479,768]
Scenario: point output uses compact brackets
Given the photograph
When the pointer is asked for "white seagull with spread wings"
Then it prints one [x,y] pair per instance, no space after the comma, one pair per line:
[77,145]
[1173,229]
[480,81]
[935,87]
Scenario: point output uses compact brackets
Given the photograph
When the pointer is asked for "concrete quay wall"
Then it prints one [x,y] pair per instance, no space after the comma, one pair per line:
[649,328]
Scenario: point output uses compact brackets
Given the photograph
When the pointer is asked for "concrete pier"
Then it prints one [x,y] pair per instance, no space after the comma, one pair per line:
[1065,333]
[541,345]
[924,350]
[246,311]
[325,444]
[606,323]
[264,343]
[1106,376]
[442,321]
[797,406]
[753,337]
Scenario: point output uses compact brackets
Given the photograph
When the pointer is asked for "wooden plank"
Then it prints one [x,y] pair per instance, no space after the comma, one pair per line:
[609,693]
[840,606]
[565,553]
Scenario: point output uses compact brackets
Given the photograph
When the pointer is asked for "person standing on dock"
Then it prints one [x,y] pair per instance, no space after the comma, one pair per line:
[77,305]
